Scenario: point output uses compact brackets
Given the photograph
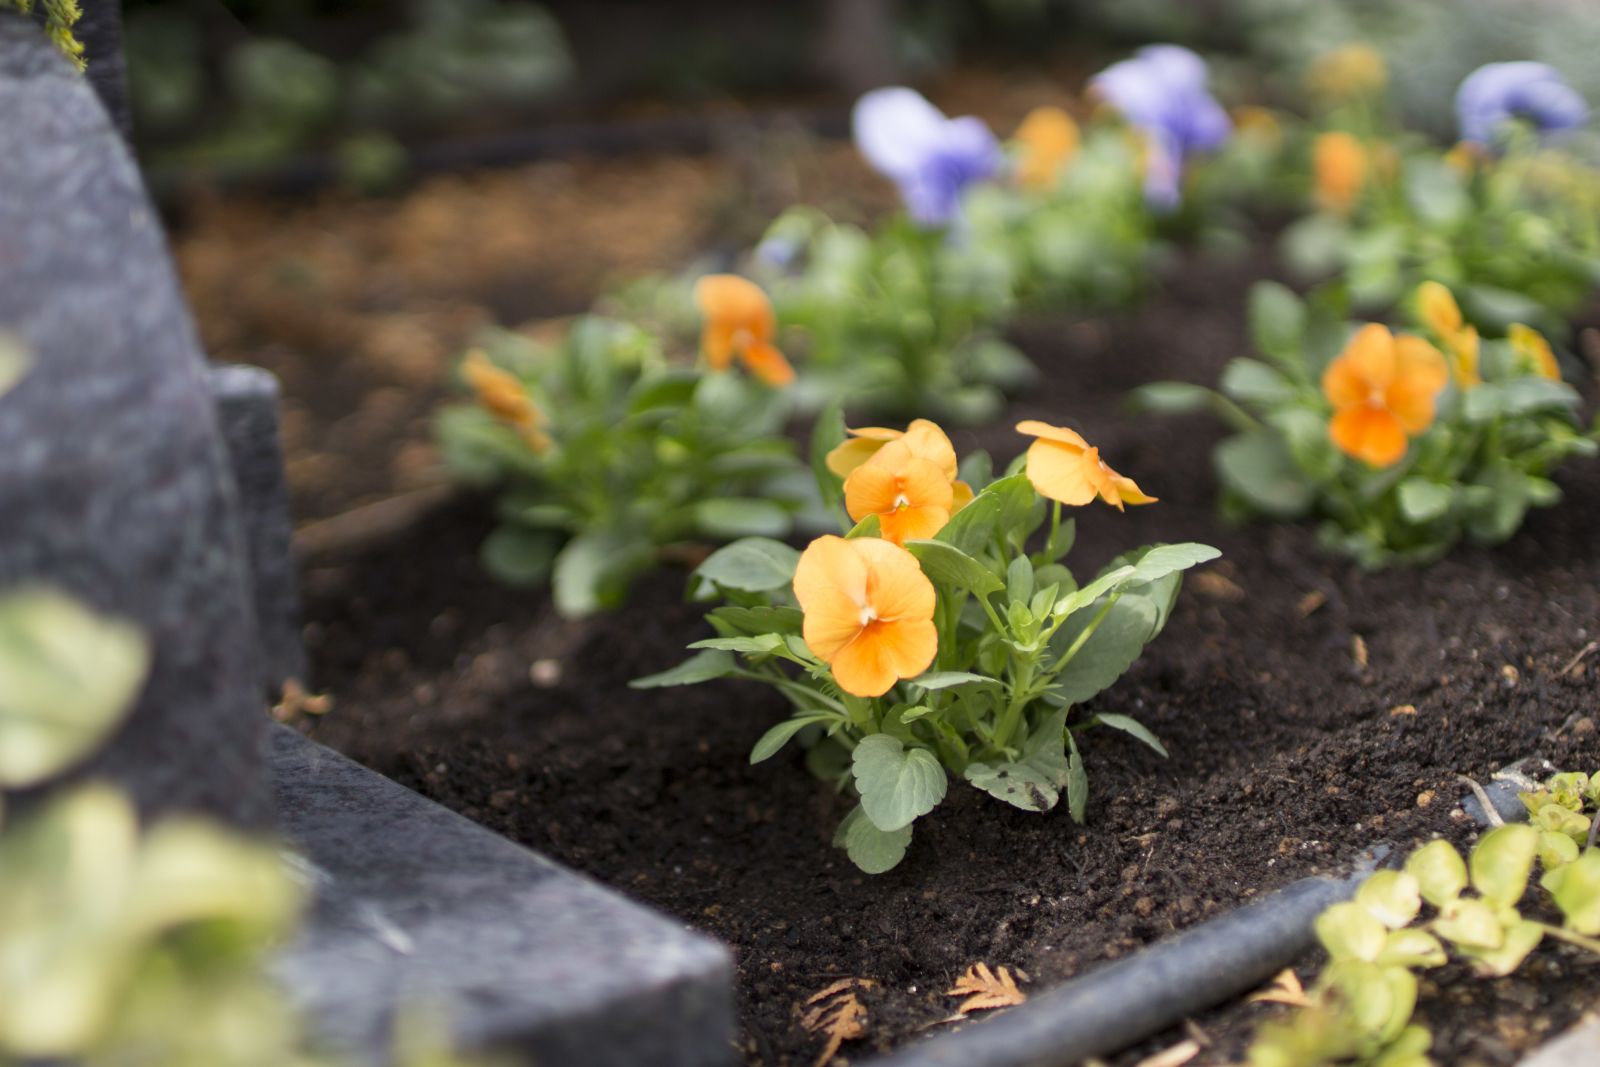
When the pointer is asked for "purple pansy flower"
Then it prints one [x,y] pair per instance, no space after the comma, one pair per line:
[1162,92]
[1498,92]
[932,158]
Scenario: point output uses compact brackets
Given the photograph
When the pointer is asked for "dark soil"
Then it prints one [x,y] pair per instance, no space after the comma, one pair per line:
[1312,712]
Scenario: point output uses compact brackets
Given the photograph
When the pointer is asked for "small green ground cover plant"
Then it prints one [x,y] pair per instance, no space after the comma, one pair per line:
[1358,1013]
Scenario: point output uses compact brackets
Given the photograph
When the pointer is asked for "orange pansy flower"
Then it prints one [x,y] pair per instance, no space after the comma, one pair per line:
[1440,313]
[740,322]
[1382,388]
[1340,163]
[868,612]
[1049,139]
[1063,466]
[906,479]
[1347,72]
[860,446]
[504,396]
[1533,351]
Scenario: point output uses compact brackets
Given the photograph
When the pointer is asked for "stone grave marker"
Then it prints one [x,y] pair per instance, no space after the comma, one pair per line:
[123,460]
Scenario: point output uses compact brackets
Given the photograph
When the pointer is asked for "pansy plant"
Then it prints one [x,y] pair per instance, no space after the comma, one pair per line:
[1401,443]
[1437,906]
[609,458]
[942,634]
[1507,218]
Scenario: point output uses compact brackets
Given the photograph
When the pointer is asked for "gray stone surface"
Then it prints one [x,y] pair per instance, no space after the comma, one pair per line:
[113,481]
[1578,1046]
[100,30]
[418,906]
[247,414]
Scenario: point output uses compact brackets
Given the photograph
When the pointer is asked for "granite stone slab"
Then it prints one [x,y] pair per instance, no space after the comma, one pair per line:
[416,905]
[247,415]
[114,485]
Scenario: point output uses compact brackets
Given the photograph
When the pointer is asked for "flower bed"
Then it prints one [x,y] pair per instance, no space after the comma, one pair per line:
[1311,711]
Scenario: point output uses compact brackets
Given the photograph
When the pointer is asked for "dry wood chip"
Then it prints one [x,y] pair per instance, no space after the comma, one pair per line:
[986,989]
[1176,1056]
[1285,989]
[1311,602]
[1358,650]
[837,1012]
[295,701]
[1403,709]
[1215,584]
[1575,661]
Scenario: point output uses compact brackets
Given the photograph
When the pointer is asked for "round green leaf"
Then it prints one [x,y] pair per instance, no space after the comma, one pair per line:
[897,784]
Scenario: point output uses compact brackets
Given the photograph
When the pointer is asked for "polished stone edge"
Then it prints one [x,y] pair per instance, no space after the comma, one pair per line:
[418,909]
[247,401]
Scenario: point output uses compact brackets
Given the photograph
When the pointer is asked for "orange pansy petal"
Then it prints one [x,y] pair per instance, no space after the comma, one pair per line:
[870,490]
[1531,345]
[861,667]
[716,341]
[768,364]
[912,523]
[1064,472]
[1340,164]
[927,441]
[731,299]
[830,582]
[1370,434]
[960,496]
[852,453]
[1120,489]
[896,587]
[1420,373]
[1438,308]
[1035,428]
[1371,353]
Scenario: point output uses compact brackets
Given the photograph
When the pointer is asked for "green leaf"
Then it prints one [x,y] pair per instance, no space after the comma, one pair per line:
[1423,501]
[827,435]
[1260,470]
[1440,873]
[871,849]
[1105,583]
[1253,382]
[1391,897]
[519,556]
[751,564]
[946,679]
[897,784]
[1034,782]
[592,572]
[759,645]
[1019,580]
[774,739]
[1516,396]
[760,620]
[1349,931]
[1077,782]
[15,361]
[742,517]
[1158,561]
[867,527]
[947,565]
[701,667]
[67,678]
[1411,947]
[1576,891]
[1502,861]
[1131,726]
[1110,651]
[1171,398]
[1277,322]
[972,528]
[1470,923]
[1520,938]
